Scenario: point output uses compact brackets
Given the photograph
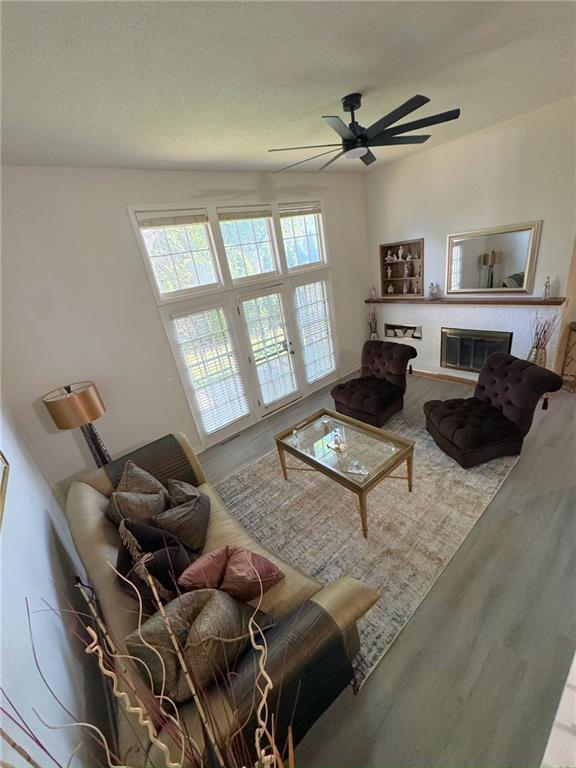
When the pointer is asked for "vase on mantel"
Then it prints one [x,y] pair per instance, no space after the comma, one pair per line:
[537,355]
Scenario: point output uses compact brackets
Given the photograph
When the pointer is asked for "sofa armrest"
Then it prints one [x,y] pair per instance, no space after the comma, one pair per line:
[309,665]
[346,600]
[168,457]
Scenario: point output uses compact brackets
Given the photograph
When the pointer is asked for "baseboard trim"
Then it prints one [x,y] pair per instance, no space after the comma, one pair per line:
[445,377]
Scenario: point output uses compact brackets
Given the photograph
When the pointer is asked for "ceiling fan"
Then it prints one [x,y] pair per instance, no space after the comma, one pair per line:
[357,140]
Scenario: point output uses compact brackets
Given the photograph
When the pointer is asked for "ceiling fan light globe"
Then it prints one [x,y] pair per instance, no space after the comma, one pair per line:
[355,153]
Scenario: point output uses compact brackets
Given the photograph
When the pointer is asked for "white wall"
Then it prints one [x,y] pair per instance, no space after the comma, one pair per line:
[78,304]
[520,170]
[35,564]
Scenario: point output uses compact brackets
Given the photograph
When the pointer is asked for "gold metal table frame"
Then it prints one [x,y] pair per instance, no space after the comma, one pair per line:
[404,453]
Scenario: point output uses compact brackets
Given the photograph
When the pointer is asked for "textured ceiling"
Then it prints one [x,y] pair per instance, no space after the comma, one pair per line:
[213,85]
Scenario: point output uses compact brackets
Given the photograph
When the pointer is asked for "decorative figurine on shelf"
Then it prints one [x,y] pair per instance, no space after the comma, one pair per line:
[372,292]
[547,286]
[401,253]
[405,287]
[388,272]
[389,257]
[432,292]
[390,288]
[406,269]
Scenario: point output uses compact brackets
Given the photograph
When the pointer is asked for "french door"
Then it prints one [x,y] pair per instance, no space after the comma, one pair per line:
[272,344]
[251,352]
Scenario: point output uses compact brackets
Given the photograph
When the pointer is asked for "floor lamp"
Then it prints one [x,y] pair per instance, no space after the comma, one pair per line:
[491,260]
[78,405]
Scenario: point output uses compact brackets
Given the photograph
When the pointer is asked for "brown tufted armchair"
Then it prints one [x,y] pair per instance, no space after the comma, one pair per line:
[495,421]
[379,392]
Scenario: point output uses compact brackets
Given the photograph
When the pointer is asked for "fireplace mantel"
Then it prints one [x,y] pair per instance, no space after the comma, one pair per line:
[513,301]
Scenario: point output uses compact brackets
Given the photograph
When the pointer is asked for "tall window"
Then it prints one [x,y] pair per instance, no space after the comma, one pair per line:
[248,241]
[208,355]
[180,251]
[244,296]
[302,235]
[313,319]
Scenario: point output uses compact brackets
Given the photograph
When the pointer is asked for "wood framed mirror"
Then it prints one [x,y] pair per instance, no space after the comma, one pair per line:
[493,260]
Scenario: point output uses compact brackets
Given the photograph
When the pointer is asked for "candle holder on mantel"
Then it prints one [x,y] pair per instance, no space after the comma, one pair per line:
[402,269]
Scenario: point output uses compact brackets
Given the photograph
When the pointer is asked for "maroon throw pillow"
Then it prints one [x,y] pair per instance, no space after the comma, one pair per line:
[242,574]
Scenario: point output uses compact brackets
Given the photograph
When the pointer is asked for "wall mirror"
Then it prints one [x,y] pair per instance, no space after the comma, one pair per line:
[494,260]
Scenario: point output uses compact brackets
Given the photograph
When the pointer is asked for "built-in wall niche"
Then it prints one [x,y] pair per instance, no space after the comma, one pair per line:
[392,330]
[402,269]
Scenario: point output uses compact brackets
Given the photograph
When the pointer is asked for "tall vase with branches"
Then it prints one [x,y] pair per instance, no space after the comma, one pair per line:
[542,331]
[372,324]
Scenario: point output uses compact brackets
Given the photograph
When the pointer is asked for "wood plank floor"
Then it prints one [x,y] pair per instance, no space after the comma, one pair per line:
[474,679]
[224,459]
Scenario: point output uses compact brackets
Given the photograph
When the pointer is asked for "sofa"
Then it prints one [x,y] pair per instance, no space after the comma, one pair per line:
[310,647]
[496,420]
[378,393]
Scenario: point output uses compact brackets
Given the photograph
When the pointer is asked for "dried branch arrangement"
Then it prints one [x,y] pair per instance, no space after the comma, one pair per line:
[372,322]
[543,329]
[156,713]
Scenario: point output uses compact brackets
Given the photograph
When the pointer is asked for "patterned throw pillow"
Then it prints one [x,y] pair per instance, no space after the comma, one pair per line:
[138,496]
[242,574]
[189,515]
[210,627]
[148,550]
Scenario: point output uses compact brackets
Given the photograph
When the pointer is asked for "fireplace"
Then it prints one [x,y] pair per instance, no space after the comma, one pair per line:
[468,350]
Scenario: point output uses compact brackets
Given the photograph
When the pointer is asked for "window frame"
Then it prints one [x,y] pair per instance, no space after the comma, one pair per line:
[222,256]
[323,261]
[175,296]
[227,293]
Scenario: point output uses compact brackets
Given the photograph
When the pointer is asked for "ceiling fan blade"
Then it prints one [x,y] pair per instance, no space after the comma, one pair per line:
[331,161]
[397,114]
[339,126]
[443,117]
[305,161]
[385,140]
[368,158]
[311,146]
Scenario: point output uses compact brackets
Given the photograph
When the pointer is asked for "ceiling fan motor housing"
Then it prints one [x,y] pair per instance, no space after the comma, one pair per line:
[352,102]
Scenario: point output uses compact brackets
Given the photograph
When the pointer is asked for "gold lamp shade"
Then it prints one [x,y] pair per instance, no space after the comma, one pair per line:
[74,405]
[491,259]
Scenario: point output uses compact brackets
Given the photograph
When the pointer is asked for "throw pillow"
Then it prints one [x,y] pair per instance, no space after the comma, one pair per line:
[181,491]
[138,496]
[148,550]
[211,629]
[189,516]
[235,570]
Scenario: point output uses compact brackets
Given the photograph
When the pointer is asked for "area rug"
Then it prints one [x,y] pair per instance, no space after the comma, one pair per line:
[313,523]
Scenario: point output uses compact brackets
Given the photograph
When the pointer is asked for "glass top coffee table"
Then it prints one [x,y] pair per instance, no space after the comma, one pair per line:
[355,455]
